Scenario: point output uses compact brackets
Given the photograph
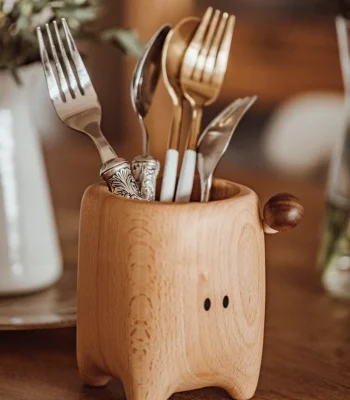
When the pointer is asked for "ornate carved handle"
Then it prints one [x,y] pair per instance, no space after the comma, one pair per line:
[282,213]
[119,179]
[145,171]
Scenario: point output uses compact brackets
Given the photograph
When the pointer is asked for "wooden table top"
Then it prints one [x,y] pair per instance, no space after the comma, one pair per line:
[307,341]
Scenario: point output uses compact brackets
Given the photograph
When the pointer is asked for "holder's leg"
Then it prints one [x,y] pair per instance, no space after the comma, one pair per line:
[97,379]
[243,392]
[92,375]
[155,391]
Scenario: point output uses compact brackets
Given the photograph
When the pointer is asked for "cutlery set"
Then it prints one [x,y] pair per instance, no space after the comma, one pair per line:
[192,58]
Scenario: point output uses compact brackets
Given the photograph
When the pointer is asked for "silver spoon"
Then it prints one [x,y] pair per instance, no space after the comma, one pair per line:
[215,139]
[144,83]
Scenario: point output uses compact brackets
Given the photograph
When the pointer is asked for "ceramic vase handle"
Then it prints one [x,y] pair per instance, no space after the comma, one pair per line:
[119,179]
[282,213]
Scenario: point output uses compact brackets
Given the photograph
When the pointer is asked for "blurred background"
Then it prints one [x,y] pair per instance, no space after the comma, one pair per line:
[284,51]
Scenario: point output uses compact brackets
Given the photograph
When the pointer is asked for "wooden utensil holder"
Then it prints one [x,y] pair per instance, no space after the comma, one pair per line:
[171,297]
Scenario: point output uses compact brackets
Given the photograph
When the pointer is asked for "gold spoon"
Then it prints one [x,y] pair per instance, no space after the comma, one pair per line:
[174,50]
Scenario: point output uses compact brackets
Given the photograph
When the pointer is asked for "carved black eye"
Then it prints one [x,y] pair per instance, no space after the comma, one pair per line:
[225,301]
[207,304]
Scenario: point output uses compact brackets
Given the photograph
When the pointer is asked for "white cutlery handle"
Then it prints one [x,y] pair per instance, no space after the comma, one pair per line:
[169,176]
[188,169]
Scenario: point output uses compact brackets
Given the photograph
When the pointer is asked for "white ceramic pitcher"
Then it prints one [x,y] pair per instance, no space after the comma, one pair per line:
[30,258]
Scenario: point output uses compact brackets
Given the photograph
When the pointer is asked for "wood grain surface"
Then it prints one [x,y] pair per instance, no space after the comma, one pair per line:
[283,212]
[171,297]
[307,337]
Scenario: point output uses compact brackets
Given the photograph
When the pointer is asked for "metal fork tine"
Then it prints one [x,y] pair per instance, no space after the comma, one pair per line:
[54,89]
[82,73]
[71,77]
[198,71]
[214,49]
[224,52]
[196,45]
[62,79]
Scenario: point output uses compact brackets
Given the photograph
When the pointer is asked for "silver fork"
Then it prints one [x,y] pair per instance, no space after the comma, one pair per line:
[77,105]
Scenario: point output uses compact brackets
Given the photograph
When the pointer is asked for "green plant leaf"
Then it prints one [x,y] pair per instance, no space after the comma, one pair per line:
[126,40]
[18,41]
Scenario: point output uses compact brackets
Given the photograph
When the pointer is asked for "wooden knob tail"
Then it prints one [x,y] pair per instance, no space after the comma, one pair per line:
[282,212]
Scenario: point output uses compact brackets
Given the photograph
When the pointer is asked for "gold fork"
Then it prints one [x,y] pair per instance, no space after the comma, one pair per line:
[201,78]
